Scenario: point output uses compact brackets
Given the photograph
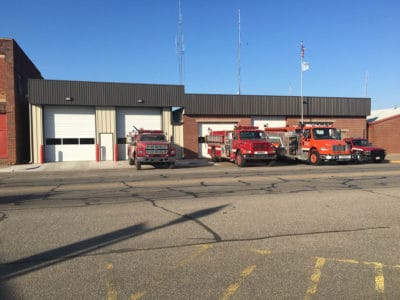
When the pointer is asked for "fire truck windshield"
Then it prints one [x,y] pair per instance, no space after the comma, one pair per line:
[152,137]
[326,134]
[252,135]
[361,142]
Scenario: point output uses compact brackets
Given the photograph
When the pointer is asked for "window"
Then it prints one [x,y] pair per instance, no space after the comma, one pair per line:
[70,141]
[121,140]
[53,141]
[86,141]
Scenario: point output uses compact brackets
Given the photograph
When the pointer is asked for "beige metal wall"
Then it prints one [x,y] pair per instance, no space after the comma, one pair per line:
[174,132]
[106,122]
[37,134]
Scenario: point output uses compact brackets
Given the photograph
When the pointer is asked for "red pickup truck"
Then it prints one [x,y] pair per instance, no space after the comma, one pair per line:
[364,151]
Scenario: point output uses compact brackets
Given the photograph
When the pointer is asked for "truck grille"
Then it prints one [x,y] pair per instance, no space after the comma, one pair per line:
[339,148]
[379,153]
[260,147]
[156,149]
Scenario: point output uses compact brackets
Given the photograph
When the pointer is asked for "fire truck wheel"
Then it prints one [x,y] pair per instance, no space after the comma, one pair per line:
[360,157]
[214,156]
[240,161]
[138,164]
[314,158]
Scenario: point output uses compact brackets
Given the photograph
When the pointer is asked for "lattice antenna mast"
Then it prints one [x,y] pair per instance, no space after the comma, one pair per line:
[180,49]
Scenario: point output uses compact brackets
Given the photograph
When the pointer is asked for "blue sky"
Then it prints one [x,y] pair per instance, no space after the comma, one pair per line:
[346,41]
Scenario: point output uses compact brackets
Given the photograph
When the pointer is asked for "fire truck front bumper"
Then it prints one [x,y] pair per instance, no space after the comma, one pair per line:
[156,159]
[259,156]
[339,157]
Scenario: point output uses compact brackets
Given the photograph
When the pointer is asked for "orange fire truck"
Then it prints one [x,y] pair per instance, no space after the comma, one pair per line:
[313,142]
[242,144]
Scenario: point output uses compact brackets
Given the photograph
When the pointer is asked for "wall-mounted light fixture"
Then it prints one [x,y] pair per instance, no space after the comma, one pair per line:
[140,101]
[69,98]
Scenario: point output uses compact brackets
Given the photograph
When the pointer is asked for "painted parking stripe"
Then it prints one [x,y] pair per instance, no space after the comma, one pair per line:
[315,278]
[111,291]
[187,260]
[231,290]
[181,263]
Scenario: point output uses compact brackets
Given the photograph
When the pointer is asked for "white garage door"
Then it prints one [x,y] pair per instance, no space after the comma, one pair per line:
[205,128]
[262,122]
[69,133]
[127,117]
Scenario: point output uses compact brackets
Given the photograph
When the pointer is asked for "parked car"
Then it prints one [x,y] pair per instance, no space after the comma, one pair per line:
[364,151]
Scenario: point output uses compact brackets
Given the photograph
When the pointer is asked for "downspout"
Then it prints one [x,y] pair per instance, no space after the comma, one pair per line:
[30,135]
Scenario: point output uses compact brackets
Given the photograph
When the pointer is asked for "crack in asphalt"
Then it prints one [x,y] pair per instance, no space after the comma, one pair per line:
[51,191]
[226,241]
[188,217]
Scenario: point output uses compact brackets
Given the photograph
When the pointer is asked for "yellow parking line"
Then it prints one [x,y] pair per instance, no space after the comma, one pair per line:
[315,277]
[261,252]
[379,278]
[137,296]
[181,263]
[187,260]
[231,290]
[111,291]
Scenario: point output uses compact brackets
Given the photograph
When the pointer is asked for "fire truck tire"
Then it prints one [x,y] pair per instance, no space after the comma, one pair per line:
[240,161]
[214,156]
[138,164]
[314,159]
[360,157]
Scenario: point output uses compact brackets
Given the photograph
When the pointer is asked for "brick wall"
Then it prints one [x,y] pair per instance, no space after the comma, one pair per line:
[16,68]
[191,127]
[386,134]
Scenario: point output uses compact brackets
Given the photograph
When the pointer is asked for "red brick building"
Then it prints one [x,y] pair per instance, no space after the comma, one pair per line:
[383,129]
[221,112]
[15,69]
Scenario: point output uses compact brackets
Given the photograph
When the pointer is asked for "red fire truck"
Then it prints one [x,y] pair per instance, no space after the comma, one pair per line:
[311,142]
[242,144]
[150,147]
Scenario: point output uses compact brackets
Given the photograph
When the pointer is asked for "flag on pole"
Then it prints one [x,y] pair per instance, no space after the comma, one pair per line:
[302,50]
[305,66]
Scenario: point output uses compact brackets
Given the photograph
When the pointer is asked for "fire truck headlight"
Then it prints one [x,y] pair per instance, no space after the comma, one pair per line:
[324,148]
[140,152]
[367,152]
[172,152]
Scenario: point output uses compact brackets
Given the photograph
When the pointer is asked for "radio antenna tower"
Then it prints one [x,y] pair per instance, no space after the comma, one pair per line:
[180,49]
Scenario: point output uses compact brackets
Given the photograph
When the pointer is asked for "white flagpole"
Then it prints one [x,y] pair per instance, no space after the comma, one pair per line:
[301,83]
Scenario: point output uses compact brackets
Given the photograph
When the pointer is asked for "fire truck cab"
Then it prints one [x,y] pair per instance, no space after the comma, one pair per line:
[312,143]
[150,147]
[242,144]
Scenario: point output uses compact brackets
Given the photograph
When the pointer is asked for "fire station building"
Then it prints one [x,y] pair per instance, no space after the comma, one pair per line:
[75,120]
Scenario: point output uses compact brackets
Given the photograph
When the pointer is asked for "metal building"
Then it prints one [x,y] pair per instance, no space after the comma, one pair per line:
[69,118]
